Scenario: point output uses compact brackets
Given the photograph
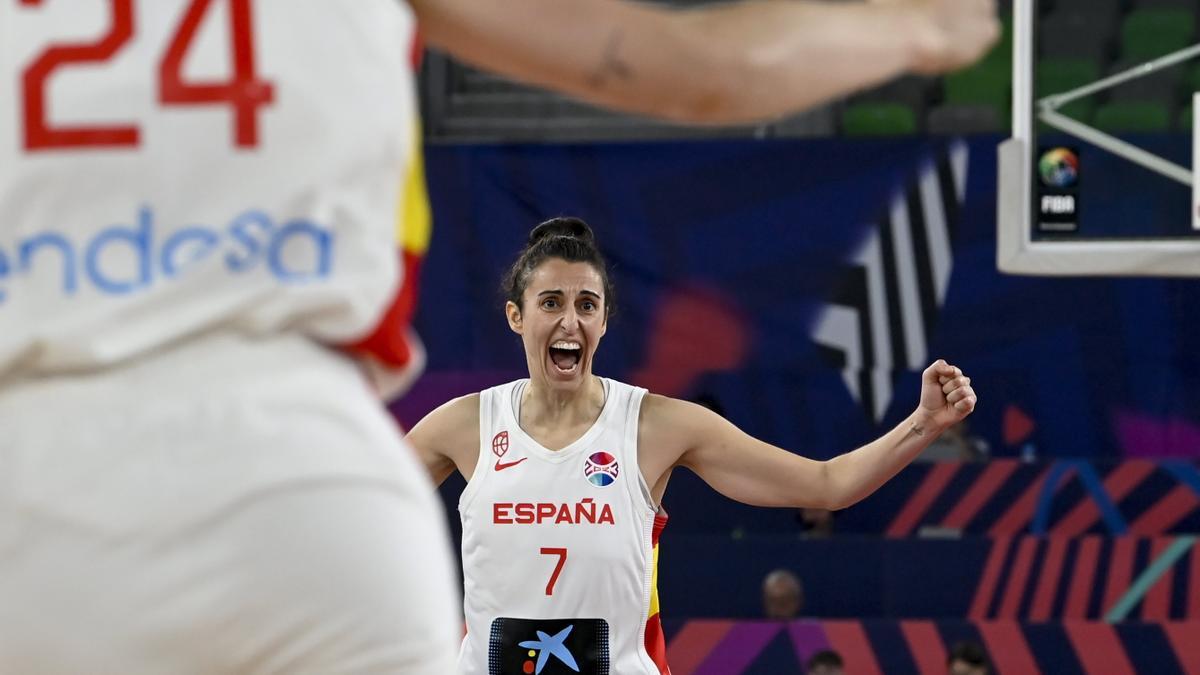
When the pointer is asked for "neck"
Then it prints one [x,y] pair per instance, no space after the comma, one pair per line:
[542,405]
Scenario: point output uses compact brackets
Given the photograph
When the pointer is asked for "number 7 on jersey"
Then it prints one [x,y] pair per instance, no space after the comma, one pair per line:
[562,559]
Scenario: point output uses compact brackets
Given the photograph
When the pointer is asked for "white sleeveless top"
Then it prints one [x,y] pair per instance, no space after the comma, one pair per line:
[559,547]
[195,198]
[171,167]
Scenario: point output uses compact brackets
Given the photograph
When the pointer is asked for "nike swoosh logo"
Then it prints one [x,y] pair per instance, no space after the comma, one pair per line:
[500,466]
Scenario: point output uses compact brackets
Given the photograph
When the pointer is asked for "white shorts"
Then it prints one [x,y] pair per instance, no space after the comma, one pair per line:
[230,506]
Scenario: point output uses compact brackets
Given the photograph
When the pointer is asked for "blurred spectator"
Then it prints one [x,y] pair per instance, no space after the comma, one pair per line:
[968,658]
[783,595]
[956,444]
[827,662]
[817,523]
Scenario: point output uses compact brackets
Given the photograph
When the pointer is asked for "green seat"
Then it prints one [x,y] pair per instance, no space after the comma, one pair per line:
[1191,81]
[1150,33]
[1132,117]
[1056,76]
[1185,119]
[986,83]
[878,119]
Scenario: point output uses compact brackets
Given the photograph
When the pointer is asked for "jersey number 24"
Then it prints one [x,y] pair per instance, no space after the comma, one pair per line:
[243,91]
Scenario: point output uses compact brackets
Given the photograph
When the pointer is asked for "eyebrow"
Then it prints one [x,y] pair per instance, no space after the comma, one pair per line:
[558,291]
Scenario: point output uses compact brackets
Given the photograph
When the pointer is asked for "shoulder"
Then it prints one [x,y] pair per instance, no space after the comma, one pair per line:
[458,410]
[666,416]
[448,424]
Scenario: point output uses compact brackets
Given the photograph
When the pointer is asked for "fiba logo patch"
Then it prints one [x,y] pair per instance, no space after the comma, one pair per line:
[1059,168]
[601,469]
[500,444]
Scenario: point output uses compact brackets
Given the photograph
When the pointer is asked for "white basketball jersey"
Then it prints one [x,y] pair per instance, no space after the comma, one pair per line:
[169,167]
[559,547]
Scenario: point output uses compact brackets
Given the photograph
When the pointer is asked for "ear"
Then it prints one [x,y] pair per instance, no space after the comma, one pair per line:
[514,316]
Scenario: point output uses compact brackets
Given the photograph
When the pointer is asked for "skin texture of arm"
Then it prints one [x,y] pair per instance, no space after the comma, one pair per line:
[733,63]
[677,433]
[448,438]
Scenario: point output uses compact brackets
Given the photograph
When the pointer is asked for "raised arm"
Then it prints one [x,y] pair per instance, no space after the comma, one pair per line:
[448,438]
[746,469]
[730,63]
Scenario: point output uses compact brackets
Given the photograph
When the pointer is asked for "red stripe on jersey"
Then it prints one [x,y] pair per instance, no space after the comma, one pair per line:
[388,342]
[418,50]
[656,644]
[660,522]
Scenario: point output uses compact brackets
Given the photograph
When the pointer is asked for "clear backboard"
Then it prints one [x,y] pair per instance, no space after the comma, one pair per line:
[1077,197]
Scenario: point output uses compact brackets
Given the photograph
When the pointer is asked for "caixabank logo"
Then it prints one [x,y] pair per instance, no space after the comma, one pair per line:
[548,647]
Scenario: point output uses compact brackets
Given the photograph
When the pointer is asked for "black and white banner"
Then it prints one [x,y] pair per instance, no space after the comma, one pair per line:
[880,320]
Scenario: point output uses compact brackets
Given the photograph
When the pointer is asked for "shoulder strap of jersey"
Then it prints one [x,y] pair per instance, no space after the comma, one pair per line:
[489,412]
[631,397]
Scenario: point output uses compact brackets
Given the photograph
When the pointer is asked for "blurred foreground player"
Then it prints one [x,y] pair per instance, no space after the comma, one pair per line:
[200,202]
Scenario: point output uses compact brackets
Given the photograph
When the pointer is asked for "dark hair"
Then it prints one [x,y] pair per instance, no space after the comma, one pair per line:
[969,652]
[825,657]
[569,239]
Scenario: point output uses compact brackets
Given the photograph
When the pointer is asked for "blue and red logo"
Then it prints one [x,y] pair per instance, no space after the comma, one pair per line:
[601,469]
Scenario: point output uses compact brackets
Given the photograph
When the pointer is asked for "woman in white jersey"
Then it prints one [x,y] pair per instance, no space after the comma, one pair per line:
[566,471]
[199,208]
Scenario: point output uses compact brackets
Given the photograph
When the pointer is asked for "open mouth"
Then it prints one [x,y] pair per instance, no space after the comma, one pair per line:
[565,355]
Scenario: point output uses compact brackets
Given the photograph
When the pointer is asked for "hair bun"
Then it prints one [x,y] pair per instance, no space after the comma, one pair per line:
[562,227]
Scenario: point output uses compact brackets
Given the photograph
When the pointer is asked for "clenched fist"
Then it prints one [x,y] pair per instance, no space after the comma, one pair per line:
[946,394]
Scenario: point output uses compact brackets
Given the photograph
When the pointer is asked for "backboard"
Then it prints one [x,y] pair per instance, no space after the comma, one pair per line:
[1077,197]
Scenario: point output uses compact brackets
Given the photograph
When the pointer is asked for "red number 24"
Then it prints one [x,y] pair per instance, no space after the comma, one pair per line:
[243,91]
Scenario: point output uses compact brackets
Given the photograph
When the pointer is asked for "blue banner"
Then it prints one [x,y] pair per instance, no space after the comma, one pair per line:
[799,287]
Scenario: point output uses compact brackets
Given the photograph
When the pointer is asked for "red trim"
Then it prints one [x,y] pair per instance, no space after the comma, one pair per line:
[1166,512]
[656,646]
[1123,480]
[985,488]
[388,341]
[1018,579]
[1183,637]
[991,575]
[694,642]
[928,651]
[1080,594]
[1120,570]
[418,50]
[850,640]
[660,523]
[1018,515]
[1156,606]
[922,499]
[1048,580]
[1098,647]
[1007,646]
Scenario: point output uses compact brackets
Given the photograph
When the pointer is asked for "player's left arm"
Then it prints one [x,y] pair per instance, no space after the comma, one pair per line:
[746,469]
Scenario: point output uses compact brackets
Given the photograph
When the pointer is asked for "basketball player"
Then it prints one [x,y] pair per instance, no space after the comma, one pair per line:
[566,472]
[200,202]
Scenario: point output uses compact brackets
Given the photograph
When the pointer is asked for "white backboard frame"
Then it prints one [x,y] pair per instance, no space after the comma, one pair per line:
[1016,251]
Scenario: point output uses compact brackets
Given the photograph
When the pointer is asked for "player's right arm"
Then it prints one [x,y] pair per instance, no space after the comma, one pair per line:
[729,63]
[448,438]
